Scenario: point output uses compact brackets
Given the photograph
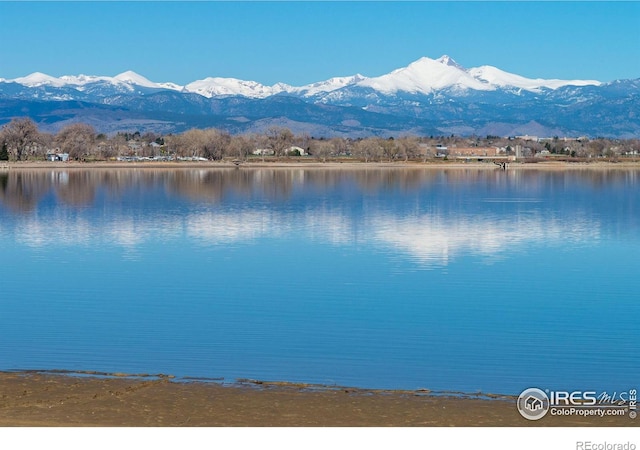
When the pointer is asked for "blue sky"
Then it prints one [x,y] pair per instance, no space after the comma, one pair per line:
[303,42]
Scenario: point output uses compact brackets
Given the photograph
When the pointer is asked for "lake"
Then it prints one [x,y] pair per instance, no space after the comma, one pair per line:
[447,279]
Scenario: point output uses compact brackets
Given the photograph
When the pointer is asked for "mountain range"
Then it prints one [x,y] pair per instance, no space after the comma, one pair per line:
[428,97]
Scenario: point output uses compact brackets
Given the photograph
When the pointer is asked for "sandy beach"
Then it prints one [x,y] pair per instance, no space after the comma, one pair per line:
[41,399]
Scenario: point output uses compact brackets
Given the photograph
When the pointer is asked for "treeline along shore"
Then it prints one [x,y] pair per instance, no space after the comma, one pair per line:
[21,140]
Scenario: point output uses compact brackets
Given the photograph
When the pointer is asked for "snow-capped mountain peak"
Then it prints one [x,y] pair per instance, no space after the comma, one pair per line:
[135,79]
[81,80]
[500,78]
[330,85]
[425,76]
[131,77]
[39,79]
[449,61]
[217,86]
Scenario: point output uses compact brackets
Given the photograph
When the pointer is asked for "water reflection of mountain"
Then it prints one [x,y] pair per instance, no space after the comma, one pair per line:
[436,240]
[430,215]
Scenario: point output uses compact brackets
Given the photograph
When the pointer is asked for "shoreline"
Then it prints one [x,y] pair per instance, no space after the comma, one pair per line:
[302,164]
[78,399]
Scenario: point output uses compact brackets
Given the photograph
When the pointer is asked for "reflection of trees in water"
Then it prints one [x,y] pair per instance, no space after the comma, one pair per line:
[278,184]
[4,180]
[209,185]
[21,191]
[558,180]
[608,177]
[281,183]
[215,185]
[374,180]
[116,182]
[371,180]
[77,188]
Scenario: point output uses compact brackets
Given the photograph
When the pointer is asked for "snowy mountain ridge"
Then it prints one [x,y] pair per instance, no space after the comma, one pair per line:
[423,76]
[428,96]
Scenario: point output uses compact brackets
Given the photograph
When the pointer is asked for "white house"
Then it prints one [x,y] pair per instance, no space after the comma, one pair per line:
[263,152]
[295,148]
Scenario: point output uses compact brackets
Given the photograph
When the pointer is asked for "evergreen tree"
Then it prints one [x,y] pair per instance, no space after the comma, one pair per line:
[4,154]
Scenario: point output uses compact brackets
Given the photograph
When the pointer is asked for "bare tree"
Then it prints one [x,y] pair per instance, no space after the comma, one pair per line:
[279,139]
[47,141]
[409,148]
[21,136]
[189,143]
[216,143]
[303,141]
[117,145]
[210,143]
[172,144]
[389,148]
[77,140]
[369,149]
[340,146]
[321,149]
[240,147]
[596,148]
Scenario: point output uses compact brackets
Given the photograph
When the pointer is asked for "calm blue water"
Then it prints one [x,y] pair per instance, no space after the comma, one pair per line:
[443,279]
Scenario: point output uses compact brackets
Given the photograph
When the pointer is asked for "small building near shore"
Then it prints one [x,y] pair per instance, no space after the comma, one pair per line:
[263,152]
[64,157]
[296,151]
